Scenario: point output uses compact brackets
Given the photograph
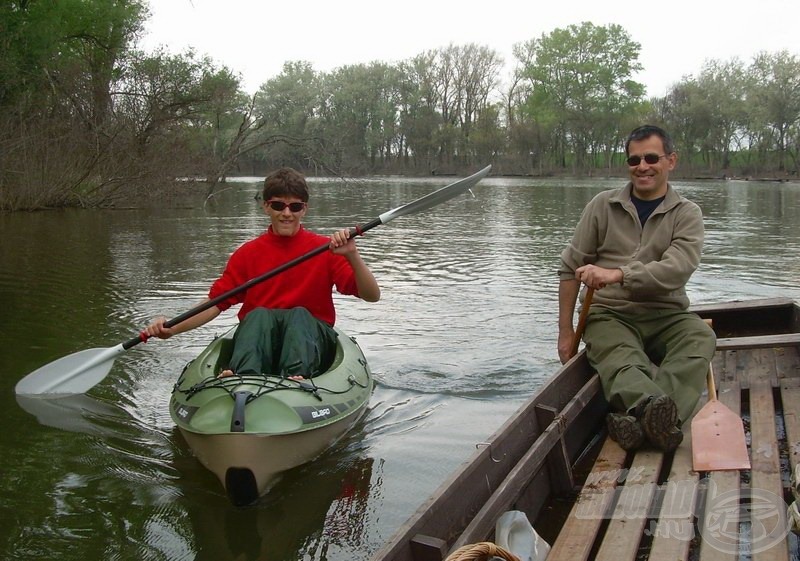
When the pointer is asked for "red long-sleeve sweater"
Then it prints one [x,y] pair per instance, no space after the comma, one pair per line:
[309,284]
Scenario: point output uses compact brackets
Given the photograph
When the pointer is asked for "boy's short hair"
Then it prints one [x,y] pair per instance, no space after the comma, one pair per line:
[285,182]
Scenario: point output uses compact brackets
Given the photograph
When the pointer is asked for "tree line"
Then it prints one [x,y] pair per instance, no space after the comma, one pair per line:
[89,119]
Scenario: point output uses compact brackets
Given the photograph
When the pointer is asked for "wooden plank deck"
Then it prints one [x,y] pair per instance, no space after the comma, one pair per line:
[764,453]
[674,529]
[659,509]
[577,537]
[630,515]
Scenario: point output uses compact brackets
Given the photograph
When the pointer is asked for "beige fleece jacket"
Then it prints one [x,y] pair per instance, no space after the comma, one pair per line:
[656,261]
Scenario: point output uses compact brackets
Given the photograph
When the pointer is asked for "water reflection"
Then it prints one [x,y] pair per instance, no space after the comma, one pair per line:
[75,413]
[315,513]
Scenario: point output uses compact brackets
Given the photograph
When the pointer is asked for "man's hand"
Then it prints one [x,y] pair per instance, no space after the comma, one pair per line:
[566,336]
[598,277]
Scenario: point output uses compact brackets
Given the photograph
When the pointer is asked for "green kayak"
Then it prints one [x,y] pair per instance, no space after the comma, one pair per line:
[248,429]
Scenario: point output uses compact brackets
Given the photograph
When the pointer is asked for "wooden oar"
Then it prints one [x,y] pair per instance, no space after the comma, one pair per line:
[78,372]
[587,302]
[718,441]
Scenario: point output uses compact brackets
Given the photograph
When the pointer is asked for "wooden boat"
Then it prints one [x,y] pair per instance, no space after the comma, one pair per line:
[249,429]
[589,499]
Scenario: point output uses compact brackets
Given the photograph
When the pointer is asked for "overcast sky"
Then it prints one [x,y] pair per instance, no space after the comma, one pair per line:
[255,37]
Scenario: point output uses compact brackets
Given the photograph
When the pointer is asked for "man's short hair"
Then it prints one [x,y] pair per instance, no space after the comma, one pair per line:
[285,182]
[646,131]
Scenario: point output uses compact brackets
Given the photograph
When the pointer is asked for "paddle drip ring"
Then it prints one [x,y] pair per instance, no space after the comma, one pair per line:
[481,551]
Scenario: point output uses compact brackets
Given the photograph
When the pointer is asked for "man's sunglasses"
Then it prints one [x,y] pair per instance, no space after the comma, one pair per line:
[280,205]
[651,159]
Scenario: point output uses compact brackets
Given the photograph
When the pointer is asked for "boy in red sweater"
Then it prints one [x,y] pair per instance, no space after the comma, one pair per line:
[286,321]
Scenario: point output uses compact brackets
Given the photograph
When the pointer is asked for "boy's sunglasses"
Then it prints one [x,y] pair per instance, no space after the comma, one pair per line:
[651,159]
[280,205]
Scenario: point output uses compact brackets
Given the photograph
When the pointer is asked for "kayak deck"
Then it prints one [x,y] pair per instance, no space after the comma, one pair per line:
[248,429]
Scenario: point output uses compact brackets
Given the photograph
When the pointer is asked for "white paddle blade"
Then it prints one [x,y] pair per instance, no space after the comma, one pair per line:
[69,375]
[437,197]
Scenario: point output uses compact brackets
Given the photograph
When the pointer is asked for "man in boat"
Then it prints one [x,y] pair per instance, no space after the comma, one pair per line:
[286,321]
[637,247]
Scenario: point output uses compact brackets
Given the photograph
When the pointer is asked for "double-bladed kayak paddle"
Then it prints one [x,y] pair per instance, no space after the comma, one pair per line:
[79,372]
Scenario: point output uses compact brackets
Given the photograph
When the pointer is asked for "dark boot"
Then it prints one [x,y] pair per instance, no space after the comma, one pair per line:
[625,430]
[660,423]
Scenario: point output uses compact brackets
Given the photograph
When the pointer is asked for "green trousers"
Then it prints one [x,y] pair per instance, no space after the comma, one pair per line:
[282,342]
[622,348]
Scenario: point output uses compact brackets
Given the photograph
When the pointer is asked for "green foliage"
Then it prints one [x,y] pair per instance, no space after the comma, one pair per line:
[87,119]
[580,84]
[59,61]
[289,100]
[737,116]
[57,50]
[775,93]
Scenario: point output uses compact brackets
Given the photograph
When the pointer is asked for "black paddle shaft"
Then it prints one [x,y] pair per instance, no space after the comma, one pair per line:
[143,337]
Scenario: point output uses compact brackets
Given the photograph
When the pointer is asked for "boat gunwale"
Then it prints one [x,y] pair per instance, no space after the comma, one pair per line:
[414,540]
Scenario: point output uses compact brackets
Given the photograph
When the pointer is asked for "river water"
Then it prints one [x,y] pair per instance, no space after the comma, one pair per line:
[464,333]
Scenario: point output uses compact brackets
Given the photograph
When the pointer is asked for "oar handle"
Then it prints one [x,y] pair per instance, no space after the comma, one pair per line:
[712,389]
[587,302]
[143,337]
